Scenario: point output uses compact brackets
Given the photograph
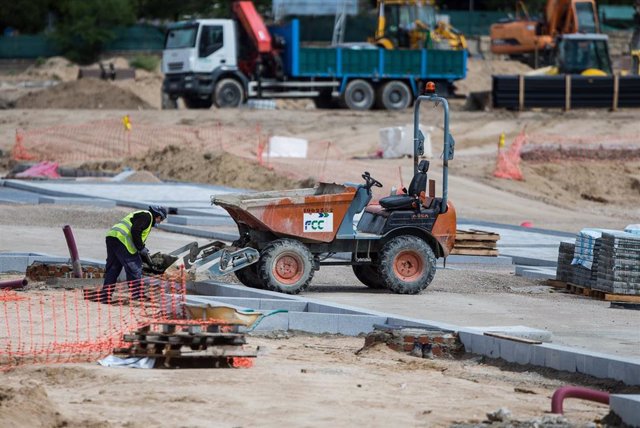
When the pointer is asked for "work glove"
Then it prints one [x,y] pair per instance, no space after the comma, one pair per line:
[144,255]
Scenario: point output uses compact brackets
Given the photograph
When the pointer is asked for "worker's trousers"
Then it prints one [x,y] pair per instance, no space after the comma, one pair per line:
[119,257]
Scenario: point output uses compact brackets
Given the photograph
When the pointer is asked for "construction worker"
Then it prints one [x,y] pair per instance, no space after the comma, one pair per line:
[126,248]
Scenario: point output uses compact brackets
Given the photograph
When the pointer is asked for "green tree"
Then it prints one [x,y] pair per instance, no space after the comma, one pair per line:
[26,16]
[85,26]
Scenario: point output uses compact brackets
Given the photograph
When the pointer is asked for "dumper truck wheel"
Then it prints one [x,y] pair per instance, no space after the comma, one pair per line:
[358,95]
[407,264]
[228,93]
[393,95]
[369,276]
[249,276]
[286,266]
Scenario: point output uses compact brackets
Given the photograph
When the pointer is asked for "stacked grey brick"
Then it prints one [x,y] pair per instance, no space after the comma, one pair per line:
[618,270]
[564,272]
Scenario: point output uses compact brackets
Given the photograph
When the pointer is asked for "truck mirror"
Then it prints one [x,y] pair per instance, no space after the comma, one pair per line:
[451,147]
[420,148]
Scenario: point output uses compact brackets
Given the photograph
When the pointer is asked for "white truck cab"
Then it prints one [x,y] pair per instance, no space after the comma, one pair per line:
[198,56]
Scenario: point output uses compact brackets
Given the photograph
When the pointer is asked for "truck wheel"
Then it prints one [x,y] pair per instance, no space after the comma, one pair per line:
[369,276]
[407,264]
[198,103]
[358,95]
[286,266]
[228,93]
[249,276]
[169,103]
[394,95]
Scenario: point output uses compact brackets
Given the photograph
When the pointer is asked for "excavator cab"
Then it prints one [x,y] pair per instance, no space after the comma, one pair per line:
[586,54]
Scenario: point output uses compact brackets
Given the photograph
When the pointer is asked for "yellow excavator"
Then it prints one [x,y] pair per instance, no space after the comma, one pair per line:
[412,24]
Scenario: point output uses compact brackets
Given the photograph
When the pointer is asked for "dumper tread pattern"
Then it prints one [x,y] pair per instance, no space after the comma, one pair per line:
[286,266]
[369,276]
[407,264]
[249,276]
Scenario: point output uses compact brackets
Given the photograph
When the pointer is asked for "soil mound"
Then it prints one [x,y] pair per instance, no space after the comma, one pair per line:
[479,74]
[82,94]
[176,164]
[54,68]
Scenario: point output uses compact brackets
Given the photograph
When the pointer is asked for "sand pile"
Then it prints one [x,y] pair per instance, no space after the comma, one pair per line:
[223,169]
[54,68]
[83,94]
[479,74]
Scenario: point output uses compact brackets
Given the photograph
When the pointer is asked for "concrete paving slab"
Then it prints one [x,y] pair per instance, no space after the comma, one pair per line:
[627,407]
[534,272]
[59,200]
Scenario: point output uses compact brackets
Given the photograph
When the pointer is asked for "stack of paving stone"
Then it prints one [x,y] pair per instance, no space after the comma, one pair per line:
[564,271]
[585,256]
[619,264]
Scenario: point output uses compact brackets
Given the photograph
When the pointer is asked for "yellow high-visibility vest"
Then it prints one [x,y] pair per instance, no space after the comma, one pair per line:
[122,231]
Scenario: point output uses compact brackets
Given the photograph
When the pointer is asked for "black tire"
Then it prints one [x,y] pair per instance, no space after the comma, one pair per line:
[169,103]
[394,95]
[407,264]
[286,266]
[358,95]
[228,93]
[369,276]
[249,276]
[198,103]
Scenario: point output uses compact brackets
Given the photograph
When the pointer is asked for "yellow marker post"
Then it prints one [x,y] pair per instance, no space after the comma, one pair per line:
[501,141]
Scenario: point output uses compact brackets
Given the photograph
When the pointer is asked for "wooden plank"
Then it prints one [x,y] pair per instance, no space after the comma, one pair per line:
[514,338]
[473,252]
[475,244]
[624,298]
[476,236]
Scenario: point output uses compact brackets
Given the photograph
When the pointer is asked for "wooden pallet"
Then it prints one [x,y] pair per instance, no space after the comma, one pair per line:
[476,243]
[183,345]
[592,293]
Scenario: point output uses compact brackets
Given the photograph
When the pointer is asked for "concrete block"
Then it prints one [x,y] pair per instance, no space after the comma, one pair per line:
[538,356]
[536,272]
[332,309]
[530,261]
[473,342]
[14,263]
[459,259]
[288,305]
[275,322]
[106,203]
[353,325]
[627,407]
[313,322]
[520,331]
[522,353]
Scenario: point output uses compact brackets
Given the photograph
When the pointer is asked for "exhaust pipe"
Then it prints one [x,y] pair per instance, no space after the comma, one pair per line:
[73,251]
[14,283]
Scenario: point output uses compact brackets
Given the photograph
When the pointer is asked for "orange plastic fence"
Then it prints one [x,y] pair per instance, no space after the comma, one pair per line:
[120,138]
[58,326]
[508,162]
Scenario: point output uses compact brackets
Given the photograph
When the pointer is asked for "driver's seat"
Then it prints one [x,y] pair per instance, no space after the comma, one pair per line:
[410,200]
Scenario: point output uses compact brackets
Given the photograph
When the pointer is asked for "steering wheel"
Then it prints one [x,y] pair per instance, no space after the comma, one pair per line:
[370,181]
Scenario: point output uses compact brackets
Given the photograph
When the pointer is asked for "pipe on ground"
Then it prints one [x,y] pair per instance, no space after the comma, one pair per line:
[73,251]
[14,283]
[576,392]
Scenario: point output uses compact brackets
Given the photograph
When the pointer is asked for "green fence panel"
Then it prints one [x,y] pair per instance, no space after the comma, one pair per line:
[475,23]
[137,38]
[27,46]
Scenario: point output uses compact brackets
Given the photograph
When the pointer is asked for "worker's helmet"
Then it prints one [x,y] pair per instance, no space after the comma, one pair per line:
[158,210]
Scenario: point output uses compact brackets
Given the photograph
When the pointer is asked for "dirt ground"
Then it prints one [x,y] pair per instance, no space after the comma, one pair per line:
[303,380]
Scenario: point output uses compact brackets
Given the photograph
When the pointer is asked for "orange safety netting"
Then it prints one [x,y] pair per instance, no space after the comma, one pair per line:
[508,162]
[120,138]
[58,326]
